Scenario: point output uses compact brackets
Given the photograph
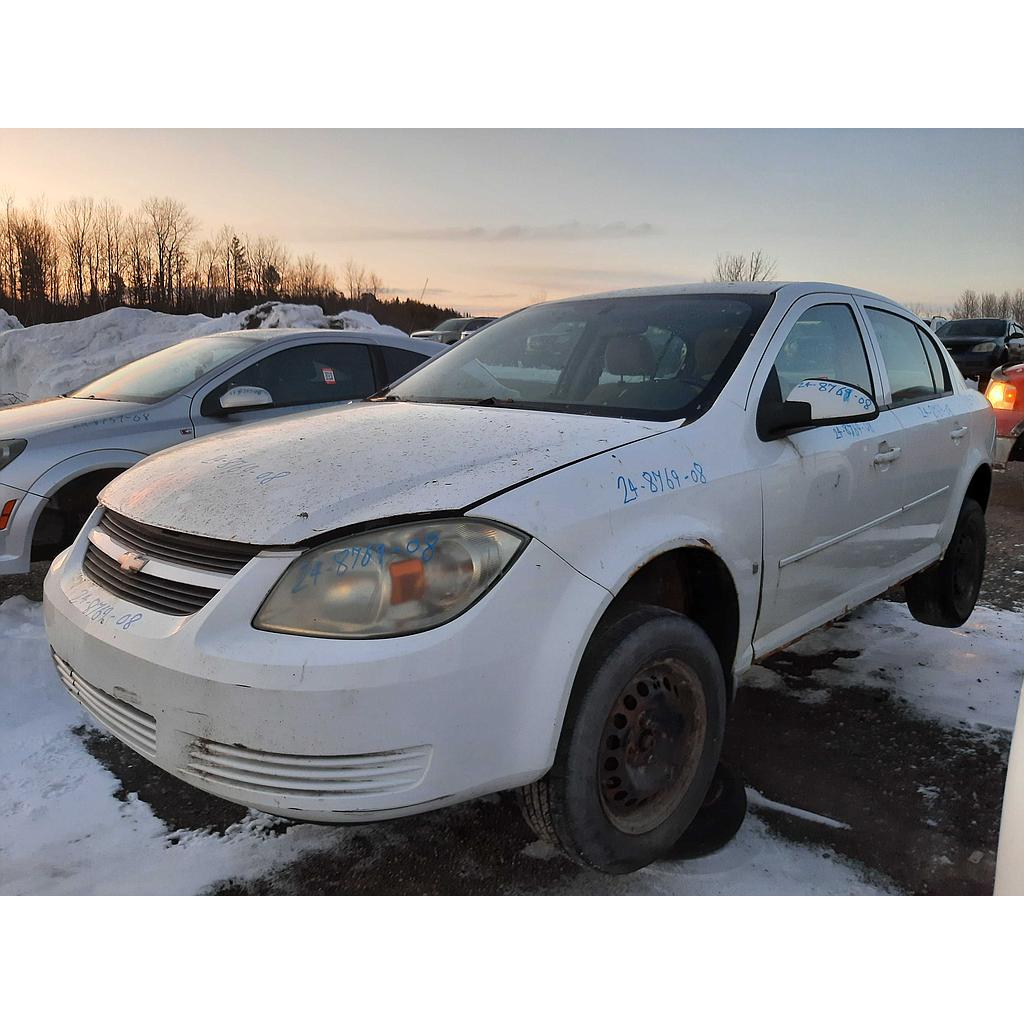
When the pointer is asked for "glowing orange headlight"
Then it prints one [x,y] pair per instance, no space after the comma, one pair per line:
[1001,395]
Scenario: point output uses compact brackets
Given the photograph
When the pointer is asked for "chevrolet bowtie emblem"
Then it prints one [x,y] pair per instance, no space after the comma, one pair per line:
[132,562]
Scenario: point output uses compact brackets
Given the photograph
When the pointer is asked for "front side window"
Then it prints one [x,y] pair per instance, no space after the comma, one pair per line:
[158,376]
[824,344]
[645,357]
[306,375]
[905,358]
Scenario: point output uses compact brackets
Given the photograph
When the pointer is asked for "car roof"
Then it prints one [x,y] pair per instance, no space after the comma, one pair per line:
[736,288]
[272,335]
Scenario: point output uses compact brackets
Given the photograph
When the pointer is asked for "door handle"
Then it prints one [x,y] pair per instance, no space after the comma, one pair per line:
[885,457]
[957,433]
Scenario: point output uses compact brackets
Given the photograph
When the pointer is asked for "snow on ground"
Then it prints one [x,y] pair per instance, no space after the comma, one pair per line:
[65,831]
[50,359]
[971,675]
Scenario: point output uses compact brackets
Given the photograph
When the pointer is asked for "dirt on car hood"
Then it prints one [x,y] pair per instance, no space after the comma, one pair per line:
[288,480]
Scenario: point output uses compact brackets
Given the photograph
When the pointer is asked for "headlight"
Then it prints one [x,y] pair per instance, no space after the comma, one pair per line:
[11,449]
[389,582]
[985,346]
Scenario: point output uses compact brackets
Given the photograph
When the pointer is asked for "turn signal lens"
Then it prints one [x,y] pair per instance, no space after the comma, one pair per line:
[1001,395]
[5,513]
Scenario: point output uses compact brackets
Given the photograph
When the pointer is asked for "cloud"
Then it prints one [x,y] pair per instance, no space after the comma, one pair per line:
[414,291]
[569,231]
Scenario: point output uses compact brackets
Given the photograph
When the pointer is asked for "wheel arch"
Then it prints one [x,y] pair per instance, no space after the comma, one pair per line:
[980,486]
[695,581]
[91,471]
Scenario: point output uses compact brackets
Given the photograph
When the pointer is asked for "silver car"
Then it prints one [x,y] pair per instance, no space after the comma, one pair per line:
[450,331]
[58,453]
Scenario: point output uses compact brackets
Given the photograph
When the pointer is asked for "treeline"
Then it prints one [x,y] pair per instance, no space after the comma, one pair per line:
[85,256]
[971,304]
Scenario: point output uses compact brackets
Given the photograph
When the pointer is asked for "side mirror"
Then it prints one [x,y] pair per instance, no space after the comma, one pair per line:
[245,397]
[833,402]
[814,403]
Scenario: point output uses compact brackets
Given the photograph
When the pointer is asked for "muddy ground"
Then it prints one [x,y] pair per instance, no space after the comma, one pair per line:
[922,797]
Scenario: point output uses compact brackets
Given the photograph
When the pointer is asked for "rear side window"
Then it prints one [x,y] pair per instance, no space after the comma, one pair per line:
[905,358]
[824,343]
[940,375]
[399,361]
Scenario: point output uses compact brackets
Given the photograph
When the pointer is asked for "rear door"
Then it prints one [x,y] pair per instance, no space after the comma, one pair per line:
[299,377]
[935,419]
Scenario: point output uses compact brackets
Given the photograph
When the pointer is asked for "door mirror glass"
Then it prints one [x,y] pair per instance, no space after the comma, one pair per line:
[832,401]
[245,397]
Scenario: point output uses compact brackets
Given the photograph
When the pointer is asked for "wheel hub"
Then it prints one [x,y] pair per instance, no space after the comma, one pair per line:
[651,745]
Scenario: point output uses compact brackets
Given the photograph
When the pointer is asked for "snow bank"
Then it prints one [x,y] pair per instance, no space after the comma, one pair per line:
[50,359]
[8,322]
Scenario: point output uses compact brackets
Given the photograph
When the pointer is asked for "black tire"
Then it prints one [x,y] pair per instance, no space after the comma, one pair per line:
[719,819]
[639,746]
[945,593]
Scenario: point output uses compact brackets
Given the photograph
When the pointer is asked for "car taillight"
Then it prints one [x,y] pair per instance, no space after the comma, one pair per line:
[1001,395]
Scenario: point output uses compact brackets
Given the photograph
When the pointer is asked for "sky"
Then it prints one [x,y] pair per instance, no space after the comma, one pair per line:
[487,221]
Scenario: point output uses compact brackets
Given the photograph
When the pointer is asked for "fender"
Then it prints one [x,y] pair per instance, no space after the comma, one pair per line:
[78,465]
[584,514]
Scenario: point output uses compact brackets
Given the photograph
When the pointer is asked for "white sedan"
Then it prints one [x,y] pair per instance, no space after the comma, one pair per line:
[531,564]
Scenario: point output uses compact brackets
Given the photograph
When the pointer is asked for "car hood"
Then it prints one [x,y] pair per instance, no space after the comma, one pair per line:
[286,481]
[963,342]
[52,415]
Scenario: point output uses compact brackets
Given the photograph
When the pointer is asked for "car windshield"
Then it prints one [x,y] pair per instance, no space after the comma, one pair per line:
[451,325]
[158,376]
[645,357]
[972,329]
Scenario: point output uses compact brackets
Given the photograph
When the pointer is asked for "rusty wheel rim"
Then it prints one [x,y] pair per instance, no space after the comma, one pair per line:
[651,745]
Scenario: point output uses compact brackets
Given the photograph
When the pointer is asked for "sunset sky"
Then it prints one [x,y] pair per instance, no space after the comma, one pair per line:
[496,219]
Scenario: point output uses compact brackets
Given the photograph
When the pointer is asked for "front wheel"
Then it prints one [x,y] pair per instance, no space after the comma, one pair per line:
[639,746]
[945,593]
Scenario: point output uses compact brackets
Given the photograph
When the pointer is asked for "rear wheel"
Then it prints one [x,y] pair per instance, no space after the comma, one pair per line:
[945,593]
[639,746]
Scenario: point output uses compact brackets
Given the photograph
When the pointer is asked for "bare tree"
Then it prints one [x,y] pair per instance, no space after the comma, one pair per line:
[966,305]
[74,227]
[758,266]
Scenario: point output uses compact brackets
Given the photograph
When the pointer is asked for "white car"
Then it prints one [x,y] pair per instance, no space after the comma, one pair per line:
[1010,856]
[502,574]
[57,454]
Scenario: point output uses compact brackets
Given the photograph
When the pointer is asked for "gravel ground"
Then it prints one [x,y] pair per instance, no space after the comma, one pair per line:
[921,797]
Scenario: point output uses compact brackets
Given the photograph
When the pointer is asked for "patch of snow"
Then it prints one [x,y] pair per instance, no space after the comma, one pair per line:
[50,359]
[971,675]
[755,799]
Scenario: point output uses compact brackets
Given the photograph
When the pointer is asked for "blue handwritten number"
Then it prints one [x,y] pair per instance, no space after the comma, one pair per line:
[628,489]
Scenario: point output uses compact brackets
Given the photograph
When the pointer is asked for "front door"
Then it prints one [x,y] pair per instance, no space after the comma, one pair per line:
[831,495]
[297,378]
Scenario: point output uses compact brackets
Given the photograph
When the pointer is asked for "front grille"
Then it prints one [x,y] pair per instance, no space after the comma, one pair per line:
[128,724]
[154,592]
[225,556]
[300,775]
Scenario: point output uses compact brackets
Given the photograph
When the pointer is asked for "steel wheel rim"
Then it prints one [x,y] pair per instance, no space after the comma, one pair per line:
[651,745]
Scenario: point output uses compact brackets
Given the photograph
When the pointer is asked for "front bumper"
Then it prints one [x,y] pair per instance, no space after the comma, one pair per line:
[16,538]
[330,730]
